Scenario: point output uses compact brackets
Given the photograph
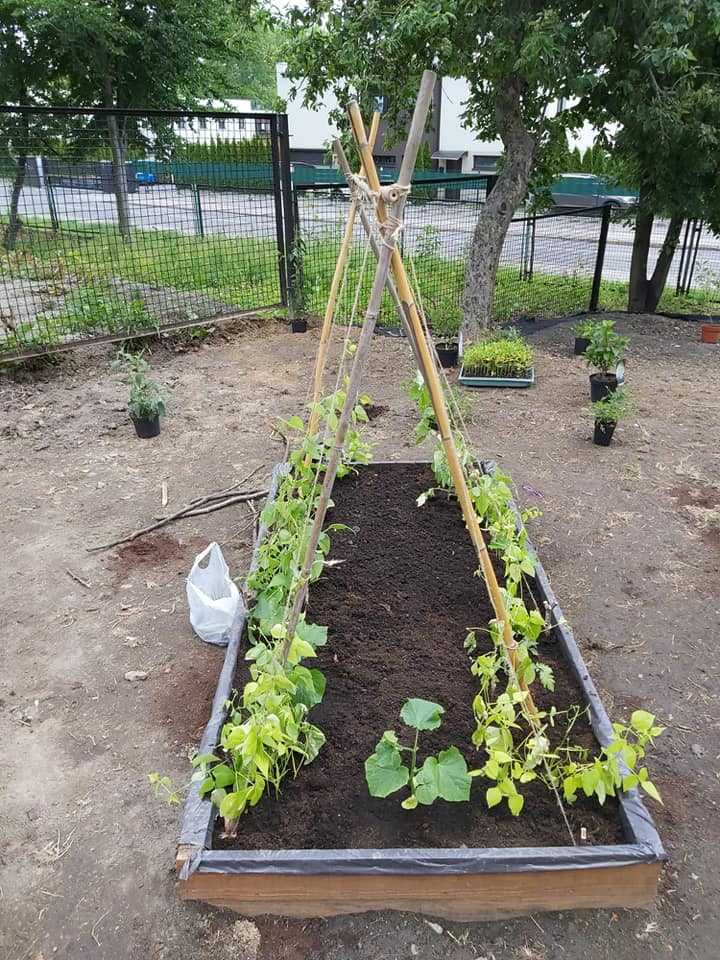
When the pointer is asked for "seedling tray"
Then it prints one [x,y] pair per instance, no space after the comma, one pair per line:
[468,381]
[457,882]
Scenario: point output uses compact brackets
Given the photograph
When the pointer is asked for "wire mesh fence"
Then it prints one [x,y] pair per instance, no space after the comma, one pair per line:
[546,268]
[119,222]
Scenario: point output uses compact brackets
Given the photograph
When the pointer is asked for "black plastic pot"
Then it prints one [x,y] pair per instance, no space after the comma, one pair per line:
[299,326]
[603,433]
[447,352]
[146,427]
[581,345]
[601,384]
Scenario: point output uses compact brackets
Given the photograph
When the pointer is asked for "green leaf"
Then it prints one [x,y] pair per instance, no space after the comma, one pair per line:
[649,787]
[295,423]
[445,776]
[223,775]
[314,740]
[642,720]
[313,634]
[421,714]
[516,804]
[207,786]
[299,649]
[201,758]
[384,770]
[409,803]
[233,804]
[493,796]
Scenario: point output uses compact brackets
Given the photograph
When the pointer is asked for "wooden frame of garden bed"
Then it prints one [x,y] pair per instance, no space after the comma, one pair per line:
[457,884]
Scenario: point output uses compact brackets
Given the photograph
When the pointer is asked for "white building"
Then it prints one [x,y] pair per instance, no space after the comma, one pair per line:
[204,129]
[453,145]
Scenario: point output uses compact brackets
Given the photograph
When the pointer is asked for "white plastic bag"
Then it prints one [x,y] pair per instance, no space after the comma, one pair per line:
[212,596]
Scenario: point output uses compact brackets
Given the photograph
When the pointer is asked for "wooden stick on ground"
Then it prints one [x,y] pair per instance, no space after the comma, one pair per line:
[227,492]
[390,226]
[432,380]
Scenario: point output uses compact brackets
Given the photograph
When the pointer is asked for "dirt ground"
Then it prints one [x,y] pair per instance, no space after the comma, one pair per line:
[630,536]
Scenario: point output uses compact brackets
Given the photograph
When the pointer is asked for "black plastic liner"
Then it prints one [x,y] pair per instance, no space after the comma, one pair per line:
[643,842]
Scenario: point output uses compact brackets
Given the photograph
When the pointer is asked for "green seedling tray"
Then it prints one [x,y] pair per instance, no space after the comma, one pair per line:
[468,381]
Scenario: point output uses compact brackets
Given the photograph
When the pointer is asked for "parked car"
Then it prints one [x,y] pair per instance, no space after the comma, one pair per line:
[589,190]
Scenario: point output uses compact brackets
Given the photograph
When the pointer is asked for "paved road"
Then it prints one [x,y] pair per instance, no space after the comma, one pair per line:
[564,246]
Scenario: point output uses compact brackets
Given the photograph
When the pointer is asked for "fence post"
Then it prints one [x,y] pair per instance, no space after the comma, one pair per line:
[199,225]
[277,197]
[600,258]
[293,268]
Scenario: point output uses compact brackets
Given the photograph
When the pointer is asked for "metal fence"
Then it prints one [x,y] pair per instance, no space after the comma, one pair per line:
[546,269]
[115,223]
[563,262]
[121,223]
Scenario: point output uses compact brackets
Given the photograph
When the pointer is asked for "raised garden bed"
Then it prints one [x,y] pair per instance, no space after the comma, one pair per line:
[398,611]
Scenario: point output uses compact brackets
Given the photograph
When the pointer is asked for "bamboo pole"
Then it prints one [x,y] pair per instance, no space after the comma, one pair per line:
[389,229]
[334,291]
[390,283]
[438,401]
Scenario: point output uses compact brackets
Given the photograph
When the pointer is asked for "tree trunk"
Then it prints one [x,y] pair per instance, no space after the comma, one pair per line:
[497,212]
[656,284]
[14,222]
[119,174]
[644,294]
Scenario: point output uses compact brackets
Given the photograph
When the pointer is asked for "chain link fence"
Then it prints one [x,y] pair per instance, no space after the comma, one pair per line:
[117,223]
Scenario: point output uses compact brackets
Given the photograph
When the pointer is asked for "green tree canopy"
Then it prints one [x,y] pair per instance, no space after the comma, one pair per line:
[661,84]
[519,57]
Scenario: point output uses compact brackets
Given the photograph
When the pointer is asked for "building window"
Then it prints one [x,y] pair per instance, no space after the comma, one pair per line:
[221,124]
[262,126]
[484,164]
[203,124]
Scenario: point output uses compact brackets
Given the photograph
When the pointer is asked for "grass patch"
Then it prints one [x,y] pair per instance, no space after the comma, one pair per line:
[242,272]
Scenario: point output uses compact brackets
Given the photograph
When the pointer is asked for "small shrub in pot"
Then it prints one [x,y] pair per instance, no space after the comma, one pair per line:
[147,398]
[604,352]
[445,327]
[608,412]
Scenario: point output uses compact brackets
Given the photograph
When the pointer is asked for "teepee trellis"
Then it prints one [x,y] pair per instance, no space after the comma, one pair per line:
[390,203]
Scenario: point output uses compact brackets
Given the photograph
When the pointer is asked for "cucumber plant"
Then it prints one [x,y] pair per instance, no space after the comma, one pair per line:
[443,777]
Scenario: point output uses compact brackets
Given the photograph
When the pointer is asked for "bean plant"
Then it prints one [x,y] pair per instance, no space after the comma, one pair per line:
[268,734]
[515,742]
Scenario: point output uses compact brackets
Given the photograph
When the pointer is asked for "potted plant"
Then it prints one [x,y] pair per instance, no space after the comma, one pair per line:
[147,399]
[605,351]
[583,335]
[446,327]
[502,359]
[608,412]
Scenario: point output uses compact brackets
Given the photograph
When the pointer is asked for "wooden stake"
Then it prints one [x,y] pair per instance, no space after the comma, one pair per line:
[333,295]
[438,401]
[389,230]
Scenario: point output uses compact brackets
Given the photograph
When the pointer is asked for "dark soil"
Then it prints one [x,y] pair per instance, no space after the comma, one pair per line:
[398,611]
